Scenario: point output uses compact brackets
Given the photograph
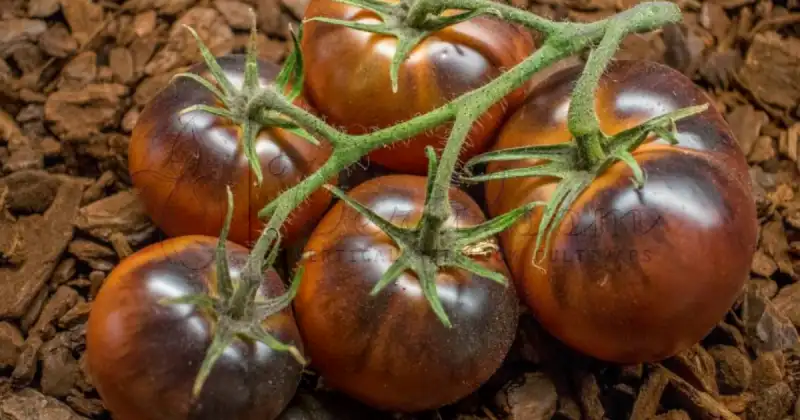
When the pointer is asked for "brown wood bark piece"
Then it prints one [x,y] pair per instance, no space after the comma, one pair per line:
[18,287]
[699,404]
[649,398]
[772,69]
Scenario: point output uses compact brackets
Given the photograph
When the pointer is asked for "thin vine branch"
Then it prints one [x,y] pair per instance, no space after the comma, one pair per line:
[582,119]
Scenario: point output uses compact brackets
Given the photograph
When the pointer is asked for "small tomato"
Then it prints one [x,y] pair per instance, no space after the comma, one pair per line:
[182,164]
[143,354]
[391,351]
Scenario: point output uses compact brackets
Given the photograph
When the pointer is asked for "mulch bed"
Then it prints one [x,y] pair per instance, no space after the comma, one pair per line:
[74,75]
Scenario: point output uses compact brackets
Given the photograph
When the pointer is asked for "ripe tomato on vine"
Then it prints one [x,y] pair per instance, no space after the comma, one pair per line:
[144,355]
[635,273]
[389,349]
[348,77]
[180,163]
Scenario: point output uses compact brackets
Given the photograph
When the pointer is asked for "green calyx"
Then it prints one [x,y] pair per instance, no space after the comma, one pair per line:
[243,105]
[566,163]
[409,22]
[234,317]
[424,254]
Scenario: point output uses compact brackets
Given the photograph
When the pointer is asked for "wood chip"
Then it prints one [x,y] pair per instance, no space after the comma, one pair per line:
[746,125]
[766,326]
[11,342]
[145,23]
[236,13]
[737,403]
[297,7]
[763,264]
[122,212]
[697,367]
[772,403]
[589,391]
[43,8]
[776,245]
[734,370]
[788,303]
[78,115]
[79,72]
[181,49]
[16,31]
[26,367]
[533,397]
[84,18]
[51,236]
[121,245]
[8,127]
[763,150]
[30,191]
[29,404]
[649,398]
[121,61]
[714,18]
[772,69]
[700,405]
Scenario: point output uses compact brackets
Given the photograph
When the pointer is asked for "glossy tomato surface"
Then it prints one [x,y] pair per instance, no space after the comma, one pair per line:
[143,356]
[391,351]
[181,165]
[347,78]
[633,275]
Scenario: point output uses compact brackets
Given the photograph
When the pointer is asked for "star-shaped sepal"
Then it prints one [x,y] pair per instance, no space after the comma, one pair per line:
[241,105]
[461,245]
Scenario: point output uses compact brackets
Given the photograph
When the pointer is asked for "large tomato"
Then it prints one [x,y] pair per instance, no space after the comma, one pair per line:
[144,355]
[181,165]
[347,78]
[632,275]
[391,351]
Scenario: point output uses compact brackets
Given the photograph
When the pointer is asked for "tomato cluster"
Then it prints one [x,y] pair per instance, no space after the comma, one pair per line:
[632,275]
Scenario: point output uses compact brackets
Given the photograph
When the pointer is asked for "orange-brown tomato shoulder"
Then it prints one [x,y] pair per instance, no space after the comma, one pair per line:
[347,78]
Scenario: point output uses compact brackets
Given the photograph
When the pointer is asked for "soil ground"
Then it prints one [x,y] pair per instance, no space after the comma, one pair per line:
[74,75]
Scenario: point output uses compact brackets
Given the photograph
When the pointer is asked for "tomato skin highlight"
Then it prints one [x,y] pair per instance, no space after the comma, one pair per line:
[633,276]
[181,165]
[391,351]
[347,78]
[143,356]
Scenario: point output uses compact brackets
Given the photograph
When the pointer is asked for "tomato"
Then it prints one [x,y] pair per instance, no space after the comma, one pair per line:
[632,275]
[390,351]
[181,165]
[143,355]
[347,78]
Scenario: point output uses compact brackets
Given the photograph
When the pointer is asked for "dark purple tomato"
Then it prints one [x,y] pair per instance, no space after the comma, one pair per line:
[391,351]
[632,275]
[181,165]
[143,355]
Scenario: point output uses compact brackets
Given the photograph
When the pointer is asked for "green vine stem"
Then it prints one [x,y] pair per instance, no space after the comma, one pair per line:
[410,21]
[582,118]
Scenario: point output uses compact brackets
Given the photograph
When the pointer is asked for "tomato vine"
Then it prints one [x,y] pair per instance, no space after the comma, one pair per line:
[576,164]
